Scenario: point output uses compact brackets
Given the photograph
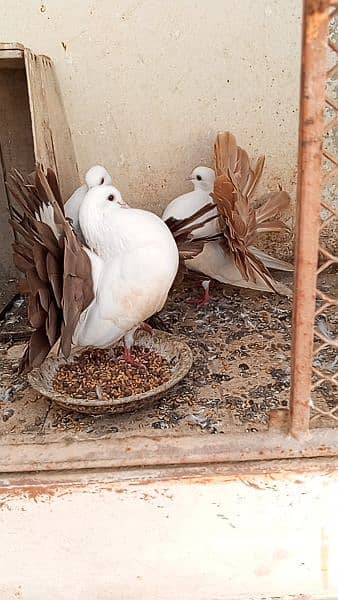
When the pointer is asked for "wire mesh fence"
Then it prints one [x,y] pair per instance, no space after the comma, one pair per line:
[325,356]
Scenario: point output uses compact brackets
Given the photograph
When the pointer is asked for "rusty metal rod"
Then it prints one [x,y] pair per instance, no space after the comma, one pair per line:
[311,132]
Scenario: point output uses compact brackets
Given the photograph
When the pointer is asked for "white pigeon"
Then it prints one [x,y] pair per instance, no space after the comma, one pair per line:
[186,205]
[96,175]
[134,261]
[213,261]
[93,291]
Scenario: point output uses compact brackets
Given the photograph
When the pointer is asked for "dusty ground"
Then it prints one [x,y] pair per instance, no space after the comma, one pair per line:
[241,346]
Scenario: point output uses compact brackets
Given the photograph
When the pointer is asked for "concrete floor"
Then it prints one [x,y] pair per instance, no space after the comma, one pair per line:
[241,344]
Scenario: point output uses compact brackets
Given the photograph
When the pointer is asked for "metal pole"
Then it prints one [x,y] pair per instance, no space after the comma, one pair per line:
[311,132]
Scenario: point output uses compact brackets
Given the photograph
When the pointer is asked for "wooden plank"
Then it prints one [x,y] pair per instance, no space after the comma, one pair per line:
[52,138]
[11,56]
[67,168]
[43,149]
[33,128]
[12,46]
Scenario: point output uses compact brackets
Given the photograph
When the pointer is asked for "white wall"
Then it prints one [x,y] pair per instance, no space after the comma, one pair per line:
[148,83]
[202,537]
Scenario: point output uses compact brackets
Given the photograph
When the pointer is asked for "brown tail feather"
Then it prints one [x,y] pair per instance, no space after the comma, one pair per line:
[272,226]
[272,205]
[56,267]
[230,157]
[225,150]
[240,221]
[54,186]
[237,219]
[254,178]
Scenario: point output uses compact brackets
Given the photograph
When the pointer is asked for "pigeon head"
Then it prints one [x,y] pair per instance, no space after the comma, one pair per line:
[97,176]
[100,217]
[203,178]
[105,197]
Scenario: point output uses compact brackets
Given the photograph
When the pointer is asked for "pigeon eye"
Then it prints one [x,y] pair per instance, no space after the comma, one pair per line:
[199,178]
[111,197]
[102,181]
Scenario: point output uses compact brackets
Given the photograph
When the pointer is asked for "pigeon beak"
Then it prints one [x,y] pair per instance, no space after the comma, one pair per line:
[189,179]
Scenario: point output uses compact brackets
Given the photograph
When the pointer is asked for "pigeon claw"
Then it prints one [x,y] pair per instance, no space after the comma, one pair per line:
[132,360]
[206,298]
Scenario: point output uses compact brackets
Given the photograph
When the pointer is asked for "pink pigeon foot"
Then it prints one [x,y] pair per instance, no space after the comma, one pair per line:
[131,359]
[128,356]
[206,298]
[147,328]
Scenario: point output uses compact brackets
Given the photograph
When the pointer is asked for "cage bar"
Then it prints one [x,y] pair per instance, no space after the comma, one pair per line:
[311,133]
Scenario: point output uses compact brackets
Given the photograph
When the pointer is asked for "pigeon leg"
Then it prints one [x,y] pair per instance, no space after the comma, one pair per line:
[128,356]
[206,298]
[131,358]
[146,327]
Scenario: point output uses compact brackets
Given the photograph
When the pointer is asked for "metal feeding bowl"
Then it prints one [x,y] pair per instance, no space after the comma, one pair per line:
[177,354]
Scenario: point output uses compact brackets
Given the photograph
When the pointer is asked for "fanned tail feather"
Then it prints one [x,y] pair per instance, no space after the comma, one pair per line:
[270,261]
[241,222]
[56,268]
